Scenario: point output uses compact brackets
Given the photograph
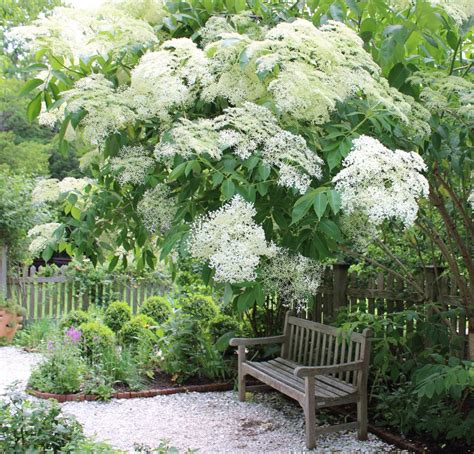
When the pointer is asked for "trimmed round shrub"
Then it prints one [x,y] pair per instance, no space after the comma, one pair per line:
[156,307]
[75,318]
[222,324]
[116,315]
[137,329]
[95,336]
[200,307]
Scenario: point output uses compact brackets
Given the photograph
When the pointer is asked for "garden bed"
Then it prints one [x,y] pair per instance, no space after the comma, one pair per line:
[159,386]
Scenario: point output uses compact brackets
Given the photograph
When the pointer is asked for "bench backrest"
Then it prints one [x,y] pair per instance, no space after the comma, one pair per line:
[314,344]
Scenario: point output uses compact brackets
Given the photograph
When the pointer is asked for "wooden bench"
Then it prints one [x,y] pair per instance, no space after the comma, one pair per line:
[317,368]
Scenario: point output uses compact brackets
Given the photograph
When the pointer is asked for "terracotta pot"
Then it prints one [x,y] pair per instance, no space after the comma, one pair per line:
[9,324]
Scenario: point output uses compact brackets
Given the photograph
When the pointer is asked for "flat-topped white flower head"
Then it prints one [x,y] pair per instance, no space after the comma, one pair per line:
[40,236]
[293,277]
[132,165]
[230,241]
[382,183]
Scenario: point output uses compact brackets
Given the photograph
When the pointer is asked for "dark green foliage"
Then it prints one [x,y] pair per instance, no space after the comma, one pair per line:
[139,328]
[28,426]
[222,328]
[416,386]
[187,350]
[95,337]
[75,318]
[156,307]
[116,315]
[198,306]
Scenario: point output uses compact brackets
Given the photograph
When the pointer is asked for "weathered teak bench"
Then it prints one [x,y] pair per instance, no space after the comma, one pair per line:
[317,368]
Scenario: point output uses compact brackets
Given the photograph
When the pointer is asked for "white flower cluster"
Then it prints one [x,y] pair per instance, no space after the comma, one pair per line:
[381,183]
[293,277]
[307,70]
[78,33]
[40,236]
[470,199]
[132,165]
[231,241]
[50,189]
[443,94]
[107,110]
[459,10]
[247,130]
[157,209]
[167,79]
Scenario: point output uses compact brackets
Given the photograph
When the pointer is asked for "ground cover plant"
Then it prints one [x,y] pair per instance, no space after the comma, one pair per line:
[289,136]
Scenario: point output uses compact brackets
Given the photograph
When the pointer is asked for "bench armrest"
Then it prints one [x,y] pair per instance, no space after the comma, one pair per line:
[311,371]
[256,340]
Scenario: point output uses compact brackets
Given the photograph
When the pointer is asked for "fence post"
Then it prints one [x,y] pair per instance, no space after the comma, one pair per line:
[3,272]
[340,280]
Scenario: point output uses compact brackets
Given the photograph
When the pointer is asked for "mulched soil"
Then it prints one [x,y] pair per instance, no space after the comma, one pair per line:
[162,380]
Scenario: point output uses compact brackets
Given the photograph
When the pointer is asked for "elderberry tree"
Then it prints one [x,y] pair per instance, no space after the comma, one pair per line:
[254,141]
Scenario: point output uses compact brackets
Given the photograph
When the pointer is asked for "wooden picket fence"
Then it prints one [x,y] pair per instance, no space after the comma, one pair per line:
[380,294]
[56,295]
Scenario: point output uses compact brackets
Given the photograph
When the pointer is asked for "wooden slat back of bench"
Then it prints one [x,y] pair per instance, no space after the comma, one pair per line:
[314,344]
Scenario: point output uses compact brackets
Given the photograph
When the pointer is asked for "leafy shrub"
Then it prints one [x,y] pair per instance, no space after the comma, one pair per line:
[61,371]
[95,337]
[221,329]
[75,318]
[138,329]
[187,351]
[116,315]
[156,307]
[199,306]
[36,333]
[39,426]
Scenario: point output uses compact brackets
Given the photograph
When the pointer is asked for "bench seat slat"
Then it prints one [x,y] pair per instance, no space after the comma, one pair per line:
[346,388]
[282,370]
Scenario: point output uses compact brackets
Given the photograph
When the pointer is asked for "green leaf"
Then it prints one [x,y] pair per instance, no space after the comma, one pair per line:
[228,189]
[75,213]
[246,300]
[320,203]
[29,86]
[330,229]
[228,293]
[113,263]
[301,207]
[398,75]
[34,108]
[334,199]
[177,171]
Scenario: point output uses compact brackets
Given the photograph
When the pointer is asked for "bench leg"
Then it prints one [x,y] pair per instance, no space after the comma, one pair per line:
[362,417]
[309,408]
[241,353]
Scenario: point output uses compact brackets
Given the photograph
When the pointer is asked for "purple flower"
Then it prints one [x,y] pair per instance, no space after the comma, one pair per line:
[73,334]
[50,345]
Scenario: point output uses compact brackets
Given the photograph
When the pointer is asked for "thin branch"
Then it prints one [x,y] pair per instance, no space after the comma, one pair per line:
[457,202]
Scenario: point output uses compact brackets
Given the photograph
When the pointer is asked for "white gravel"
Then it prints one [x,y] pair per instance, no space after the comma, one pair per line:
[16,365]
[210,422]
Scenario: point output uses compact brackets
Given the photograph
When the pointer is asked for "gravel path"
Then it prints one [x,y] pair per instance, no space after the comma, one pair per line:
[210,422]
[15,365]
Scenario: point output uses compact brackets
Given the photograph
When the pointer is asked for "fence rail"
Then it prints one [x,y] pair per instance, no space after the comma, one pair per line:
[54,296]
